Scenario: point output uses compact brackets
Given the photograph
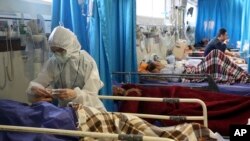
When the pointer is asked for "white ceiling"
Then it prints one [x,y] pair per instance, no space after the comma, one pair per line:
[48,2]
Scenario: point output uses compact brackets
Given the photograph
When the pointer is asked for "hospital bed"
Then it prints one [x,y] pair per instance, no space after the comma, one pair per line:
[223,109]
[161,79]
[108,136]
[166,100]
[237,88]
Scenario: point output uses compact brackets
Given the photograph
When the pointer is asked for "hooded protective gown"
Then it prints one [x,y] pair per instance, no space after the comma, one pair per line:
[78,72]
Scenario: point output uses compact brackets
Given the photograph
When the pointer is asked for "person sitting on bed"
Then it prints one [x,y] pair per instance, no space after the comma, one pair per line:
[220,43]
[220,68]
[70,75]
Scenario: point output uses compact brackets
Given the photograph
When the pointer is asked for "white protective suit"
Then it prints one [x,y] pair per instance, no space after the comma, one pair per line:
[79,72]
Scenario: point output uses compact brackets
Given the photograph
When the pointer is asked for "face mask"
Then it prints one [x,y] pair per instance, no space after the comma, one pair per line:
[61,57]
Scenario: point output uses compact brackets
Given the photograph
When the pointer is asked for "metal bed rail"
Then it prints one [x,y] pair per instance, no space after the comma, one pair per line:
[212,86]
[119,136]
[166,100]
[81,133]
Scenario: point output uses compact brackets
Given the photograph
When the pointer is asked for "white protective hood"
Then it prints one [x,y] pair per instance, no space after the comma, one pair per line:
[63,38]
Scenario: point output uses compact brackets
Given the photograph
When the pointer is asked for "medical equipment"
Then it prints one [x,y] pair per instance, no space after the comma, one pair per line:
[37,50]
[8,68]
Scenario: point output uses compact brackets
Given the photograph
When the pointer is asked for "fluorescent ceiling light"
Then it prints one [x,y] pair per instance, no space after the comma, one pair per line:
[39,1]
[47,0]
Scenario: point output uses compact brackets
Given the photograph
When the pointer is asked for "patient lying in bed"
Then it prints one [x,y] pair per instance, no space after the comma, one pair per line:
[78,117]
[216,64]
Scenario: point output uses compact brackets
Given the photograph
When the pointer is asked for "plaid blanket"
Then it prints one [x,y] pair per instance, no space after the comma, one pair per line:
[93,120]
[220,67]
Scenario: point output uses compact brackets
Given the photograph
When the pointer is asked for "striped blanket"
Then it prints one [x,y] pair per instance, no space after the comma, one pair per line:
[93,120]
[220,67]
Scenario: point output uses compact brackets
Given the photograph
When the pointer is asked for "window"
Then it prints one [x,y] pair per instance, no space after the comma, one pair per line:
[150,8]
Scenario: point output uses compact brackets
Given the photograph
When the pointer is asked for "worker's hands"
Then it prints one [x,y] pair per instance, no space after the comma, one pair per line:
[41,94]
[64,94]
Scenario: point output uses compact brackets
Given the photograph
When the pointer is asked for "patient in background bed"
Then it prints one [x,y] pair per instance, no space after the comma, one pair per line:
[87,119]
[143,67]
[216,63]
[171,68]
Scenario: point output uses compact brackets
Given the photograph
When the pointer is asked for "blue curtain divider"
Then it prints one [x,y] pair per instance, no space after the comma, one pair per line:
[245,30]
[109,36]
[234,15]
[112,38]
[100,43]
[68,13]
[224,13]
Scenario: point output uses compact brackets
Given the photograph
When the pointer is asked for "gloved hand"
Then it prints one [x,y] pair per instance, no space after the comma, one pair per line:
[64,94]
[40,94]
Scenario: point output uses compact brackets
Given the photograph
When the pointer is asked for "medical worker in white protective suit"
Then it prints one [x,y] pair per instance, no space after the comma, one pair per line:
[70,75]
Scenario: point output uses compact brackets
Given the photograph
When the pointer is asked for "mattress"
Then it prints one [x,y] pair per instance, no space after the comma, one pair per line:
[237,89]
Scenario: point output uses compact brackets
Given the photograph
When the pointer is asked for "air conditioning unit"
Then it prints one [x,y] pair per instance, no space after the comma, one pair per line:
[10,15]
[180,3]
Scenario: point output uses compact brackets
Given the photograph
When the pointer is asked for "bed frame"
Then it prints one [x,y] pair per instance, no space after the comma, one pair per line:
[129,76]
[166,100]
[120,136]
[81,133]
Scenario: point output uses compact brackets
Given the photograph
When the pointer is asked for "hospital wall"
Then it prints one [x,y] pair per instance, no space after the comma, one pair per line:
[15,89]
[31,7]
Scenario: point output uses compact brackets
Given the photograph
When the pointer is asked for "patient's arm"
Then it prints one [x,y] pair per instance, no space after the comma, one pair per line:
[232,54]
[237,60]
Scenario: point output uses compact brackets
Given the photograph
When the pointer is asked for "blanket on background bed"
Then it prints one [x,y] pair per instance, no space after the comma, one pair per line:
[93,120]
[220,67]
[223,109]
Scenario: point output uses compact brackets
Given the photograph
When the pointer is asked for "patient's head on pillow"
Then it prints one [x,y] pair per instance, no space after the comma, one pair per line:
[154,66]
[143,67]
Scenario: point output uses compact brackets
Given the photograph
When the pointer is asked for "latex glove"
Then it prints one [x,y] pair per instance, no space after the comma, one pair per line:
[64,94]
[40,94]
